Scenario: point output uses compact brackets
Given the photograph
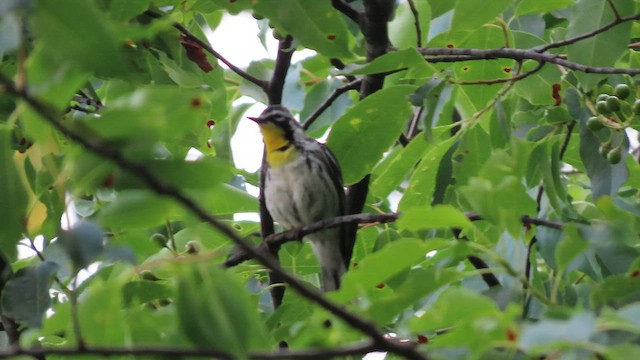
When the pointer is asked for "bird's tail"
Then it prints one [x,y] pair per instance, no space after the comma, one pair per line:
[328,251]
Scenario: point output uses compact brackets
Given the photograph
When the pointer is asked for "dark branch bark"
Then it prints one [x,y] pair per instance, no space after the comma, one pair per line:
[327,103]
[356,349]
[259,82]
[436,55]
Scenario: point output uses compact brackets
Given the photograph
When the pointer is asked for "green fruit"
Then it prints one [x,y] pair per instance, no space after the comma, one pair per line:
[594,124]
[602,97]
[604,149]
[622,91]
[606,89]
[636,107]
[557,115]
[602,108]
[614,156]
[613,103]
[159,239]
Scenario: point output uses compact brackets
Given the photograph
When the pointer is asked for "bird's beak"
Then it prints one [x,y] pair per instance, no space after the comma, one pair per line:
[254,119]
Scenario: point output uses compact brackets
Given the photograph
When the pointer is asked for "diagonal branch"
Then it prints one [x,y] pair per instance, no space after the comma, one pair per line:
[595,32]
[102,149]
[355,349]
[346,9]
[263,84]
[274,241]
[435,55]
[328,101]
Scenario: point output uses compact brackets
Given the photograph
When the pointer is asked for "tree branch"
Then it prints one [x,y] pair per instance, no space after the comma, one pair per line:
[283,61]
[279,239]
[597,31]
[102,149]
[347,10]
[264,85]
[416,22]
[327,103]
[356,349]
[435,55]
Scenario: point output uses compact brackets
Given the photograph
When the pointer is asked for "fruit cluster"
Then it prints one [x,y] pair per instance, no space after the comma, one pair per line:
[616,109]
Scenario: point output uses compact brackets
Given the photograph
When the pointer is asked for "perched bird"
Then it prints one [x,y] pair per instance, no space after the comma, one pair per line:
[303,185]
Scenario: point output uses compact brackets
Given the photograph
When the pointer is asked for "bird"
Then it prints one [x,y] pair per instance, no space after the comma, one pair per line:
[303,185]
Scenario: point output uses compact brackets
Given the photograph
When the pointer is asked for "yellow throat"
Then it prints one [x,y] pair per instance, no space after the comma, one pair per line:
[280,150]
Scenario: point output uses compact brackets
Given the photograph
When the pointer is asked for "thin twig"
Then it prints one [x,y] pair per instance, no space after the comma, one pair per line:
[327,102]
[525,220]
[435,55]
[277,240]
[356,349]
[102,149]
[587,35]
[263,84]
[501,81]
[283,61]
[614,9]
[416,22]
[346,9]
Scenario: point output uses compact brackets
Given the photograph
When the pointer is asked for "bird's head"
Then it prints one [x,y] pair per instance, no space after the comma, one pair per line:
[280,131]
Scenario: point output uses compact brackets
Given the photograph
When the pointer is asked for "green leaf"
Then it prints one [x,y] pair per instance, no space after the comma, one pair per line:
[376,128]
[25,296]
[201,174]
[547,333]
[215,311]
[83,243]
[453,307]
[570,247]
[423,180]
[419,283]
[136,209]
[407,58]
[13,197]
[602,49]
[383,264]
[525,7]
[143,291]
[76,31]
[399,34]
[472,14]
[315,24]
[498,194]
[390,172]
[152,113]
[437,217]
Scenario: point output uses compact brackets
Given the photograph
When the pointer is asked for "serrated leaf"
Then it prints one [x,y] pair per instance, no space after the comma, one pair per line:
[376,122]
[25,296]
